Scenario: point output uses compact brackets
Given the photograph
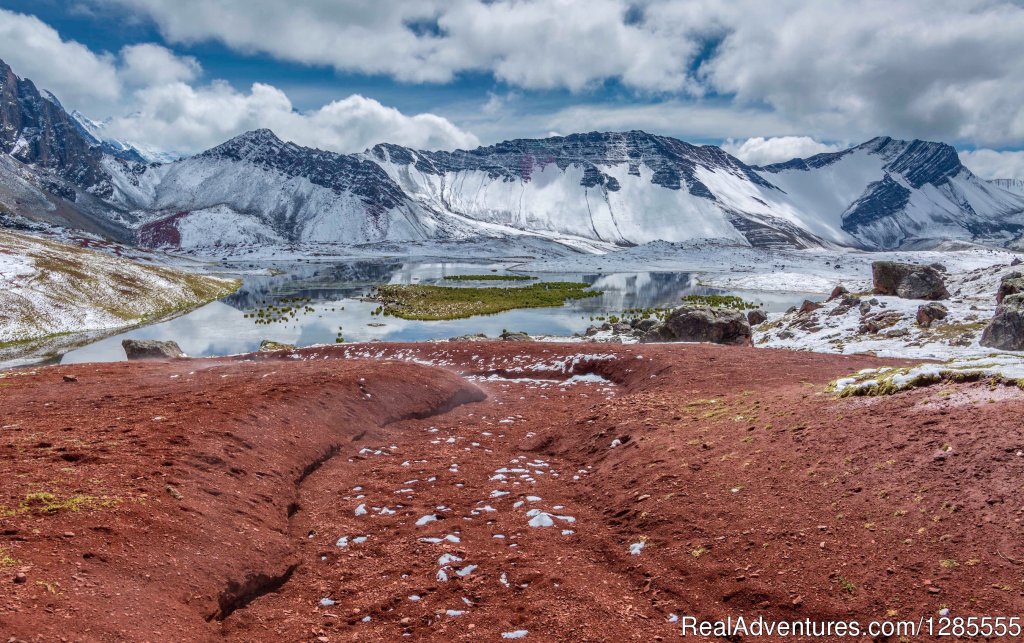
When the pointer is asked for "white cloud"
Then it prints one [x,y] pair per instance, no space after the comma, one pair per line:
[991,164]
[942,69]
[67,68]
[179,117]
[536,44]
[152,99]
[765,151]
[148,64]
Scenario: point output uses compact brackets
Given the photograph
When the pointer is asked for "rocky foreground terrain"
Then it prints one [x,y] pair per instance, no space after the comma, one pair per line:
[479,490]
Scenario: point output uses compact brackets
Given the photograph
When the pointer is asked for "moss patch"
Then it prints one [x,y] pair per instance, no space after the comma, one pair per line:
[489,278]
[433,303]
[720,301]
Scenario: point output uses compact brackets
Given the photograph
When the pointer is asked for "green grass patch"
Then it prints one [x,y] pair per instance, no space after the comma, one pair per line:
[720,301]
[489,278]
[434,303]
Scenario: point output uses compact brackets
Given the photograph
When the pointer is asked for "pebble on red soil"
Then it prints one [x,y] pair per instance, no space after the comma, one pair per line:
[282,466]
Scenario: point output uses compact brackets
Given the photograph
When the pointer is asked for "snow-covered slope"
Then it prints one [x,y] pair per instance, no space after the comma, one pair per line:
[888,194]
[52,287]
[1010,185]
[623,188]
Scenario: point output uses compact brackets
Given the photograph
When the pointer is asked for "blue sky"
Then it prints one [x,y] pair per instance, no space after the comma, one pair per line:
[766,80]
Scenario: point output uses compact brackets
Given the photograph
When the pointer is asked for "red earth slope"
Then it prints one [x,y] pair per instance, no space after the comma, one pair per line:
[491,488]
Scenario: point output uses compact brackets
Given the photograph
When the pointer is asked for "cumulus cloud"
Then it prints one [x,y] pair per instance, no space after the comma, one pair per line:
[765,151]
[177,116]
[946,69]
[992,164]
[67,68]
[155,100]
[148,64]
[536,44]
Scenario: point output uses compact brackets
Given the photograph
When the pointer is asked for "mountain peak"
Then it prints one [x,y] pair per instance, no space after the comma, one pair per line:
[252,145]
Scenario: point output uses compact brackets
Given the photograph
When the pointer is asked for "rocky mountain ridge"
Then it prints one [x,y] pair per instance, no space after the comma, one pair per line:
[595,190]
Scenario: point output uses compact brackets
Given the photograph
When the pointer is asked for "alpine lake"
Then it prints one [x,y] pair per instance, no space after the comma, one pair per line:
[309,304]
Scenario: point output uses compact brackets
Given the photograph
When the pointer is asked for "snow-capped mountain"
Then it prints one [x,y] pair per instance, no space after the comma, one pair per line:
[887,194]
[590,191]
[96,133]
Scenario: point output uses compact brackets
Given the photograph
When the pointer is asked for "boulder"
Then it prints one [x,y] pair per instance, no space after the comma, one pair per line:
[908,281]
[515,336]
[809,306]
[703,324]
[928,313]
[268,345]
[621,327]
[151,349]
[838,292]
[1006,330]
[1011,284]
[755,317]
[1016,261]
[646,324]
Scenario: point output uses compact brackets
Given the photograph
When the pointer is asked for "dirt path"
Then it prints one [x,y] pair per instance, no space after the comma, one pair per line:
[591,495]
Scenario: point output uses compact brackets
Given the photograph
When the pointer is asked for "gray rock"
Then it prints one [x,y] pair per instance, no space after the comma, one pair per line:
[865,307]
[515,336]
[621,327]
[837,292]
[1016,261]
[1006,330]
[702,324]
[1010,284]
[928,313]
[755,317]
[809,306]
[646,324]
[908,281]
[151,349]
[268,345]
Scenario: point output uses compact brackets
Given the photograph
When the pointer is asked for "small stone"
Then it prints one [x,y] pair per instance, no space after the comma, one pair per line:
[798,601]
[70,378]
[20,578]
[932,589]
[405,621]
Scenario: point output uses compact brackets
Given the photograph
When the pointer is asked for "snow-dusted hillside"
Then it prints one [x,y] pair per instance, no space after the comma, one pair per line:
[888,194]
[55,288]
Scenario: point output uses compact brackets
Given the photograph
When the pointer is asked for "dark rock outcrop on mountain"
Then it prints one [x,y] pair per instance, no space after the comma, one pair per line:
[672,163]
[908,281]
[35,130]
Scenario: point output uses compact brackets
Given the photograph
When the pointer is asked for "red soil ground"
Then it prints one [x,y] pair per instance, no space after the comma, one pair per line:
[204,500]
